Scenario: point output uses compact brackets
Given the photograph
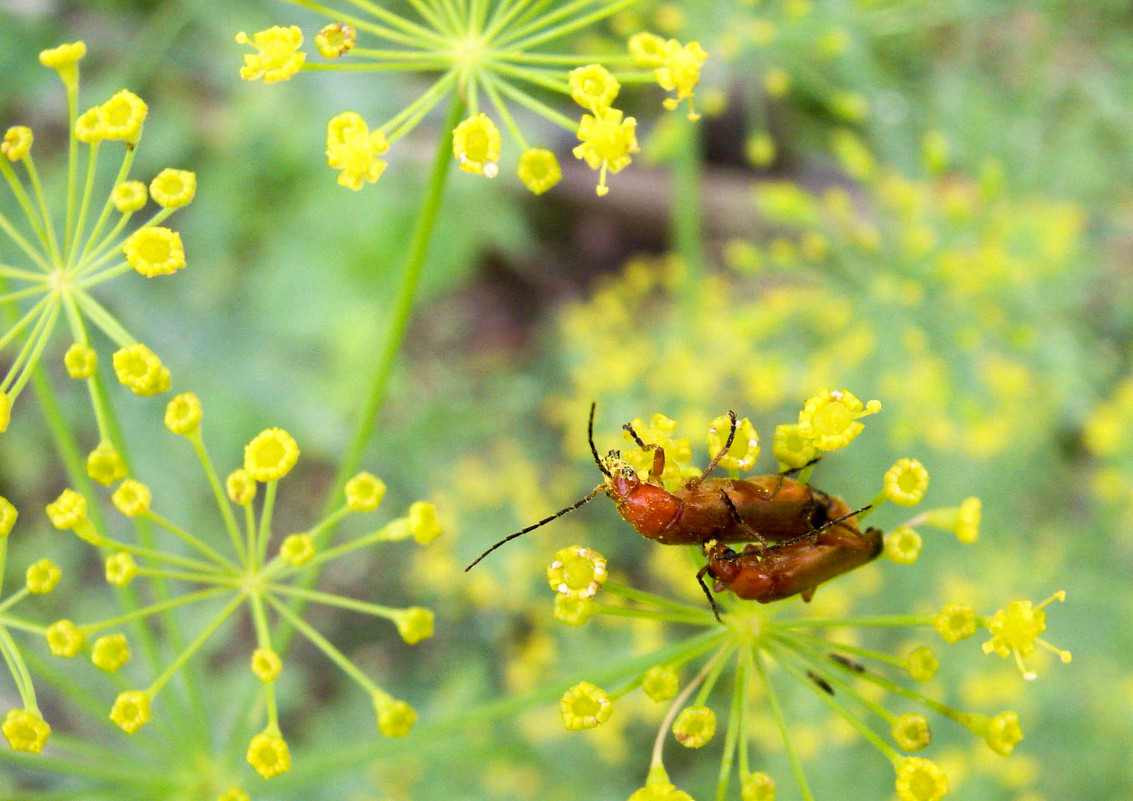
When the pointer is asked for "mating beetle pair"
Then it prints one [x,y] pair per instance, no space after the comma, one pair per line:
[795,536]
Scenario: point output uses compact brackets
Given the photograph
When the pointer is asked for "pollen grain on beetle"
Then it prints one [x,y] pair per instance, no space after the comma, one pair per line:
[500,59]
[220,576]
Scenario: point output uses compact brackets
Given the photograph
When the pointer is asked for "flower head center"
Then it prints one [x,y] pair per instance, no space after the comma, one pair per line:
[469,51]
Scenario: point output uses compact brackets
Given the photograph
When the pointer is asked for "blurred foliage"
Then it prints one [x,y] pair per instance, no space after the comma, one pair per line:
[938,214]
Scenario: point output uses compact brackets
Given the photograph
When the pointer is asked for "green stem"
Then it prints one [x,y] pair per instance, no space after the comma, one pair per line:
[688,241]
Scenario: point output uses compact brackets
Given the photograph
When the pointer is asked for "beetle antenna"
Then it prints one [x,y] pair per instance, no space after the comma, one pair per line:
[593,450]
[723,451]
[796,540]
[593,494]
[628,428]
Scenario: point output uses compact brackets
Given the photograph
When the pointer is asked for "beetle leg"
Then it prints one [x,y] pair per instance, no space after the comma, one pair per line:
[791,471]
[716,459]
[739,521]
[814,532]
[658,454]
[711,601]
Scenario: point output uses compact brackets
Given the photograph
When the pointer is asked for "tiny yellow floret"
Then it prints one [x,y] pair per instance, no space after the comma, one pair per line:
[585,706]
[680,72]
[963,520]
[1003,733]
[415,624]
[8,516]
[172,189]
[903,545]
[395,718]
[659,791]
[336,40]
[266,665]
[539,170]
[364,492]
[278,56]
[183,414]
[955,622]
[660,683]
[122,116]
[757,786]
[920,779]
[64,55]
[90,127]
[154,251]
[42,576]
[17,142]
[110,653]
[608,142]
[476,145]
[132,498]
[129,196]
[577,572]
[791,448]
[423,523]
[911,731]
[1016,629]
[906,482]
[574,611]
[271,455]
[297,549]
[80,360]
[234,794]
[922,664]
[240,486]
[354,149]
[745,446]
[139,368]
[68,510]
[593,87]
[25,730]
[65,639]
[105,464]
[830,418]
[120,569]
[695,726]
[647,50]
[268,754]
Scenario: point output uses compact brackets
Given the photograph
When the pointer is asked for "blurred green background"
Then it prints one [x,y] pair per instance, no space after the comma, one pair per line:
[932,208]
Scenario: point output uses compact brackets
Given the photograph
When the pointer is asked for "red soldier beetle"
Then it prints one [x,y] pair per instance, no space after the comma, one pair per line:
[813,533]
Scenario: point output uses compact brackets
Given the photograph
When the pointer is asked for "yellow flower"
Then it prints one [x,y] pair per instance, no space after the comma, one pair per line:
[241,487]
[423,523]
[577,572]
[111,652]
[138,368]
[297,549]
[266,664]
[183,414]
[335,40]
[122,116]
[647,49]
[8,515]
[155,250]
[757,787]
[132,498]
[42,576]
[65,55]
[906,482]
[395,718]
[25,730]
[268,754]
[364,492]
[271,455]
[172,188]
[415,624]
[680,71]
[17,142]
[745,445]
[955,622]
[65,639]
[903,545]
[68,510]
[593,87]
[791,448]
[922,664]
[234,794]
[105,464]
[476,145]
[1016,629]
[659,791]
[129,196]
[573,611]
[695,726]
[90,127]
[120,569]
[80,360]
[278,56]
[830,418]
[911,731]
[920,780]
[660,683]
[585,706]
[607,143]
[539,169]
[352,148]
[1003,733]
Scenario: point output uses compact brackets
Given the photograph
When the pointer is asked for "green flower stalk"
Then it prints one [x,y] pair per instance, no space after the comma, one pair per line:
[494,55]
[239,573]
[67,250]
